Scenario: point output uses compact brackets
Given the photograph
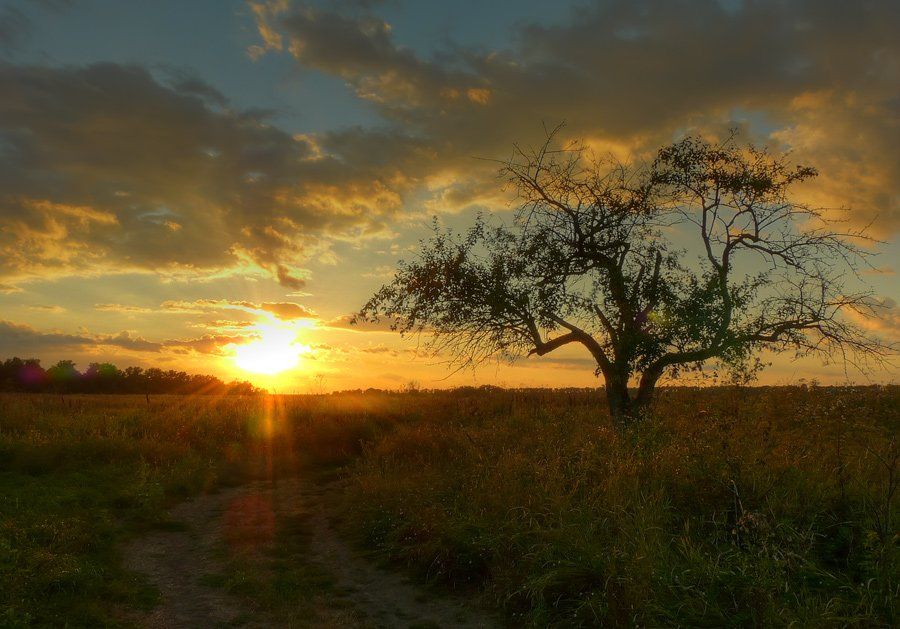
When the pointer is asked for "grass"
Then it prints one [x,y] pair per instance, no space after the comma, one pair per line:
[80,474]
[731,507]
[282,582]
[753,507]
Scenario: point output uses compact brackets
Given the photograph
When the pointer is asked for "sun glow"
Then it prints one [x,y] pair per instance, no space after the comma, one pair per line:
[275,351]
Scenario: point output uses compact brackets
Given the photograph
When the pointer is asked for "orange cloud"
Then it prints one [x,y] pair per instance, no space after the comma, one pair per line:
[343,323]
[883,319]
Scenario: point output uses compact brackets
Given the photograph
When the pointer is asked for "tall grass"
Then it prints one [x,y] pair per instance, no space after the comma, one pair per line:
[729,507]
[79,474]
[761,507]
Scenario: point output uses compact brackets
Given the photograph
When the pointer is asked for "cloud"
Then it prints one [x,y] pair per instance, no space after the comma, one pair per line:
[264,12]
[127,340]
[286,278]
[351,352]
[19,338]
[123,309]
[852,139]
[818,78]
[22,339]
[343,323]
[104,169]
[213,344]
[108,168]
[884,319]
[225,324]
[47,308]
[380,349]
[13,335]
[186,82]
[284,310]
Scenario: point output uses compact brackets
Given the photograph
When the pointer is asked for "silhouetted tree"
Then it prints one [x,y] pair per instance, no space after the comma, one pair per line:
[19,374]
[133,380]
[63,377]
[102,378]
[594,258]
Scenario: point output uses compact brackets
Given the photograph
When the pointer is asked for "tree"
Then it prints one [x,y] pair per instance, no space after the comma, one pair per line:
[18,374]
[63,376]
[102,378]
[134,380]
[596,256]
[9,373]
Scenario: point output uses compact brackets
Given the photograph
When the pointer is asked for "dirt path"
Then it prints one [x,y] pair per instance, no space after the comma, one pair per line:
[184,562]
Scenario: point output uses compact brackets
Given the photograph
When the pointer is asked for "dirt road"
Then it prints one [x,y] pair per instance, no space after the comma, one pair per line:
[186,563]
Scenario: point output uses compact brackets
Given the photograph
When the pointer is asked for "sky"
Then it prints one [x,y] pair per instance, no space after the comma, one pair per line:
[217,185]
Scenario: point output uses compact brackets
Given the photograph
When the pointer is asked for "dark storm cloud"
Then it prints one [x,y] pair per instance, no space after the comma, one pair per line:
[104,169]
[635,73]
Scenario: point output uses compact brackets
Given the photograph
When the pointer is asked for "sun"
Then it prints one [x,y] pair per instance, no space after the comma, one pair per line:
[275,351]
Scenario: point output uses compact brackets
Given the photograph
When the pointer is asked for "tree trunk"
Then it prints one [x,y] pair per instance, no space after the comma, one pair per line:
[624,409]
[647,388]
[620,404]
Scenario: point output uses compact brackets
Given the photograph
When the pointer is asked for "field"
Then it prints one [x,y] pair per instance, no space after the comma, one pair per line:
[728,507]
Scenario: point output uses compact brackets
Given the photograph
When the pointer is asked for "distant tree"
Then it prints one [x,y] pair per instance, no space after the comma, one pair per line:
[242,388]
[32,376]
[63,377]
[594,258]
[9,373]
[17,374]
[102,378]
[155,378]
[134,380]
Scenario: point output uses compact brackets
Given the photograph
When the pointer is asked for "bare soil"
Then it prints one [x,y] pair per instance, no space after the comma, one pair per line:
[183,561]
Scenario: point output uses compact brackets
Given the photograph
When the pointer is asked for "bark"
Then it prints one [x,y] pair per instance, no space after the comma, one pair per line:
[624,408]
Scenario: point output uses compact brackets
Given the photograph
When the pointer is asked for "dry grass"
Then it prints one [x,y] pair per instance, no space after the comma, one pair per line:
[760,507]
[731,507]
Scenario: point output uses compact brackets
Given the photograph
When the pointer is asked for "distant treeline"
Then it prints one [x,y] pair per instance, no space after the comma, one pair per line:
[27,375]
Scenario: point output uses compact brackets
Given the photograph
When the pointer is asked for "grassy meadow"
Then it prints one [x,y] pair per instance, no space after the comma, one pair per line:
[728,507]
